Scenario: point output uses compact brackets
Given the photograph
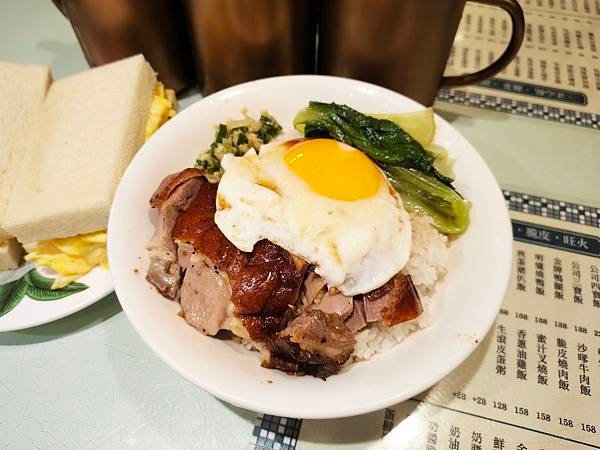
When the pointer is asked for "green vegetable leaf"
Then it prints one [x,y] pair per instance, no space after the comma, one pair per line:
[419,124]
[382,140]
[16,294]
[425,195]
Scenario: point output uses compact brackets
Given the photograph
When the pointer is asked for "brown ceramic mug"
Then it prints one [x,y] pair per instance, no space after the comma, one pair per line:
[402,44]
[109,30]
[242,40]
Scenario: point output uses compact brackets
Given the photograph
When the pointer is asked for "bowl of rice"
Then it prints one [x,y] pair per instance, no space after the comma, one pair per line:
[461,280]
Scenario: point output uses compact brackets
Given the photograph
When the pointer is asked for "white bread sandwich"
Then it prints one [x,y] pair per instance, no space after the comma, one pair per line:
[22,90]
[90,126]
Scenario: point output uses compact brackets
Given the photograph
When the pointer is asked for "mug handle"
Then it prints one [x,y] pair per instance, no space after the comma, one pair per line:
[518,29]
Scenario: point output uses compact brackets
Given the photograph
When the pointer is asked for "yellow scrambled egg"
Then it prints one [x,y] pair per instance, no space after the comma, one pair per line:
[73,257]
[162,109]
[70,257]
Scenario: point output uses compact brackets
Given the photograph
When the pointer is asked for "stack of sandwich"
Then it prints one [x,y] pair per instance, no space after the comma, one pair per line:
[64,146]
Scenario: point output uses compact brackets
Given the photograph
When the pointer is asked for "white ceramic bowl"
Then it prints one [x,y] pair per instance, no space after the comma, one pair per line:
[469,297]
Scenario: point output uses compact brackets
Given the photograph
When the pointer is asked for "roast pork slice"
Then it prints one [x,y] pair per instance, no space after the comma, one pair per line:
[205,296]
[395,302]
[334,302]
[358,319]
[329,301]
[171,198]
[314,343]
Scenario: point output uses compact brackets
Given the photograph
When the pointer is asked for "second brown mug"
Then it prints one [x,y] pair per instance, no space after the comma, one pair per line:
[402,44]
[243,40]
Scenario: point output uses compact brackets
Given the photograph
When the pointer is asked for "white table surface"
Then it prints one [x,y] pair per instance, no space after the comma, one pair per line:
[88,381]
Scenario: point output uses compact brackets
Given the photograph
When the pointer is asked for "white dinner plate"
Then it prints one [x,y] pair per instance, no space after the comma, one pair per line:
[468,299]
[25,303]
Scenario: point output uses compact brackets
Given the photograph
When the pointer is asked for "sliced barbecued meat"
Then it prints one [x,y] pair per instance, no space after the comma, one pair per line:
[205,296]
[395,302]
[264,283]
[172,196]
[327,300]
[334,302]
[358,319]
[314,343]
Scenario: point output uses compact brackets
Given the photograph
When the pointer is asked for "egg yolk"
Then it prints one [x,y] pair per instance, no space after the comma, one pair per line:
[333,169]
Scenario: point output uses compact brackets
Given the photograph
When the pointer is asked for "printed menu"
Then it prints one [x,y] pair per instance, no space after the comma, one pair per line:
[556,74]
[533,383]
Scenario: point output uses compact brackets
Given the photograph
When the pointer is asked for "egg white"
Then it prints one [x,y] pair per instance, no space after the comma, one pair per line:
[357,246]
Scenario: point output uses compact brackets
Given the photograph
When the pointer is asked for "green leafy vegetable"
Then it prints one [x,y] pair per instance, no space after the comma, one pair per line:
[420,125]
[382,140]
[422,194]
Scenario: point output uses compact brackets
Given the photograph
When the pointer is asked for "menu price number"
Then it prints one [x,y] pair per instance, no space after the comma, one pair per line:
[479,400]
[460,395]
[500,405]
[588,428]
[544,416]
[565,422]
[521,411]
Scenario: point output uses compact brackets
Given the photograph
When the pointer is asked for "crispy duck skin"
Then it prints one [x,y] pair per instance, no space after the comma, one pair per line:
[264,283]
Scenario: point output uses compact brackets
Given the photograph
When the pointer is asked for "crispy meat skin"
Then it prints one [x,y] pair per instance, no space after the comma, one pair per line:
[395,302]
[172,182]
[264,283]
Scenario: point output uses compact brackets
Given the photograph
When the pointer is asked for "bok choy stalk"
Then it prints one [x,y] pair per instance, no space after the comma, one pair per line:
[422,194]
[408,166]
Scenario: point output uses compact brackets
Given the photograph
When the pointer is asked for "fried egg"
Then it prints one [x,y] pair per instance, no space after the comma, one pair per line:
[321,200]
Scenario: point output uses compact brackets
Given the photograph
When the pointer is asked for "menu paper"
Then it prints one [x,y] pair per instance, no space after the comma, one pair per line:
[556,74]
[533,382]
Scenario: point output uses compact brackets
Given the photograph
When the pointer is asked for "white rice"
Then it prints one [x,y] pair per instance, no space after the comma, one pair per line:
[427,264]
